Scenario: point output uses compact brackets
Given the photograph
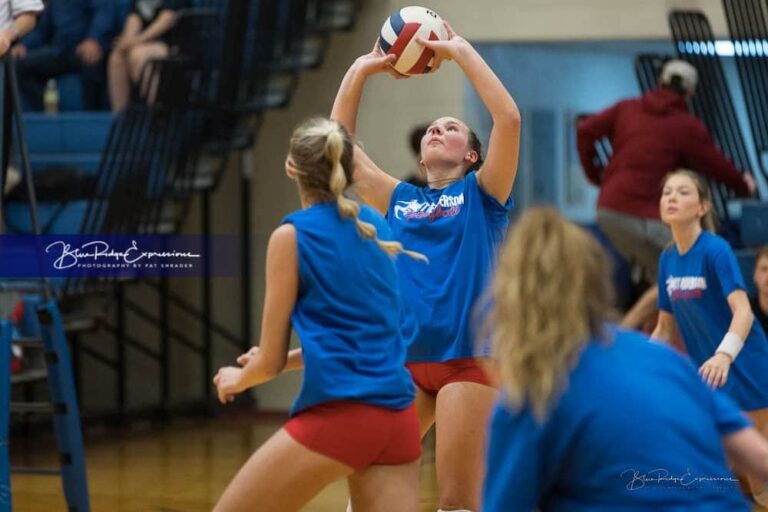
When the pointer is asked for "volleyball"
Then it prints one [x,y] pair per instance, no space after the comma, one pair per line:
[398,36]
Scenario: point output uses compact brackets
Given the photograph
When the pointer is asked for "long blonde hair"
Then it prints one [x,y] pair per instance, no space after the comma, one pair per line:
[321,153]
[551,293]
[709,220]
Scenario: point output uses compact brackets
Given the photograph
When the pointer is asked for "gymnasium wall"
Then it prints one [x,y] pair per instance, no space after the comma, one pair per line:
[567,20]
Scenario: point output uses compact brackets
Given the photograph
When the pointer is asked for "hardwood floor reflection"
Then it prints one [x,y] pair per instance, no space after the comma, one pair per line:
[183,466]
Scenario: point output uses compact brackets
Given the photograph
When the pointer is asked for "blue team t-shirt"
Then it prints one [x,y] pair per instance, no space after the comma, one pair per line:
[459,228]
[694,288]
[348,313]
[636,429]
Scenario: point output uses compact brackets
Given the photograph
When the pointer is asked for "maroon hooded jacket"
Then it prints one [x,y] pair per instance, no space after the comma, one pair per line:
[650,136]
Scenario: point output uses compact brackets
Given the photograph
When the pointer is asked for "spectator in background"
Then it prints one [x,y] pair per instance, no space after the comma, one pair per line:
[651,136]
[73,36]
[140,42]
[760,301]
[17,19]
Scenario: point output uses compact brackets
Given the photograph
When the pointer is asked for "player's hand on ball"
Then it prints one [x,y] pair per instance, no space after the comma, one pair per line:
[444,50]
[227,382]
[377,62]
[714,371]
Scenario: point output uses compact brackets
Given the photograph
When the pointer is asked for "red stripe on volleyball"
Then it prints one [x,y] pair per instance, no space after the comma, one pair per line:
[421,65]
[403,38]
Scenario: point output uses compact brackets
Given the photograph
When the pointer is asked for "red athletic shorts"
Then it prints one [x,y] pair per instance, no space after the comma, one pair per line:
[431,377]
[357,434]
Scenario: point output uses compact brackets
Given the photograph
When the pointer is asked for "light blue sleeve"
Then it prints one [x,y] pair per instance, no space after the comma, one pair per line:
[513,462]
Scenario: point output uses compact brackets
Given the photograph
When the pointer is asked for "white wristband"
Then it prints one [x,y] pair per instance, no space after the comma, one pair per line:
[762,498]
[731,345]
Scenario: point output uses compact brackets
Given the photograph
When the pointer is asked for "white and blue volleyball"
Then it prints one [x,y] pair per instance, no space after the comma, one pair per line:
[398,36]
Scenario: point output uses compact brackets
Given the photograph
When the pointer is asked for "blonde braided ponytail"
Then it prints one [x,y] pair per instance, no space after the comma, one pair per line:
[336,160]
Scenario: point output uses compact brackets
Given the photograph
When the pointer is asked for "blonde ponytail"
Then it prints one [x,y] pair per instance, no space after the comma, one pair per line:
[336,154]
[551,293]
[334,146]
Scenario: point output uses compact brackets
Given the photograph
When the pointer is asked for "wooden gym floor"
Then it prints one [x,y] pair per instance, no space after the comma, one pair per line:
[179,467]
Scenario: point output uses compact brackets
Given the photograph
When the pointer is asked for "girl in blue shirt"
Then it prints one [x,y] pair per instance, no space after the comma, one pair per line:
[457,220]
[702,293]
[596,418]
[330,277]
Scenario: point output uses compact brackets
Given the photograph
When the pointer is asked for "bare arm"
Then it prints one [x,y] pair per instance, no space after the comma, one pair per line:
[160,26]
[24,23]
[743,318]
[373,185]
[131,28]
[350,93]
[21,26]
[665,327]
[497,176]
[748,450]
[282,283]
[715,370]
[295,359]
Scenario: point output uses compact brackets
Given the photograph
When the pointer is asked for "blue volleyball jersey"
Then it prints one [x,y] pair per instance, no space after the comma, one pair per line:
[694,288]
[636,429]
[459,228]
[348,313]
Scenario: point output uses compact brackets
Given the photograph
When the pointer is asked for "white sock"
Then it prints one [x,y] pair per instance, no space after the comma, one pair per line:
[349,506]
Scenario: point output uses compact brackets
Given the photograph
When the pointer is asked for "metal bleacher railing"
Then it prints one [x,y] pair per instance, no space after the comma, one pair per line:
[748,27]
[233,61]
[43,334]
[713,102]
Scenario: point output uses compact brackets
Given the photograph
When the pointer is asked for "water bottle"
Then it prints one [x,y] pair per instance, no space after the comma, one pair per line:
[51,97]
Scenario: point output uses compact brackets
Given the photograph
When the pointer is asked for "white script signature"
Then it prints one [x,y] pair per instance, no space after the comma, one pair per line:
[96,249]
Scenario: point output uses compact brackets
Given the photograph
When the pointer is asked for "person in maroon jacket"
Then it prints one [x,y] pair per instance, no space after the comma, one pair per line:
[651,136]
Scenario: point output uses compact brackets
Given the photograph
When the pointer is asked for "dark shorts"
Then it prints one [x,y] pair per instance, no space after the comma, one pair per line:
[431,377]
[358,435]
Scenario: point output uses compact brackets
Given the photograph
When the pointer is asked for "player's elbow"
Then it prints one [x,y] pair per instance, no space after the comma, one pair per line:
[509,117]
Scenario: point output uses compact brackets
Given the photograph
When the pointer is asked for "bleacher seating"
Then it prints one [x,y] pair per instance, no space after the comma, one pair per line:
[66,147]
